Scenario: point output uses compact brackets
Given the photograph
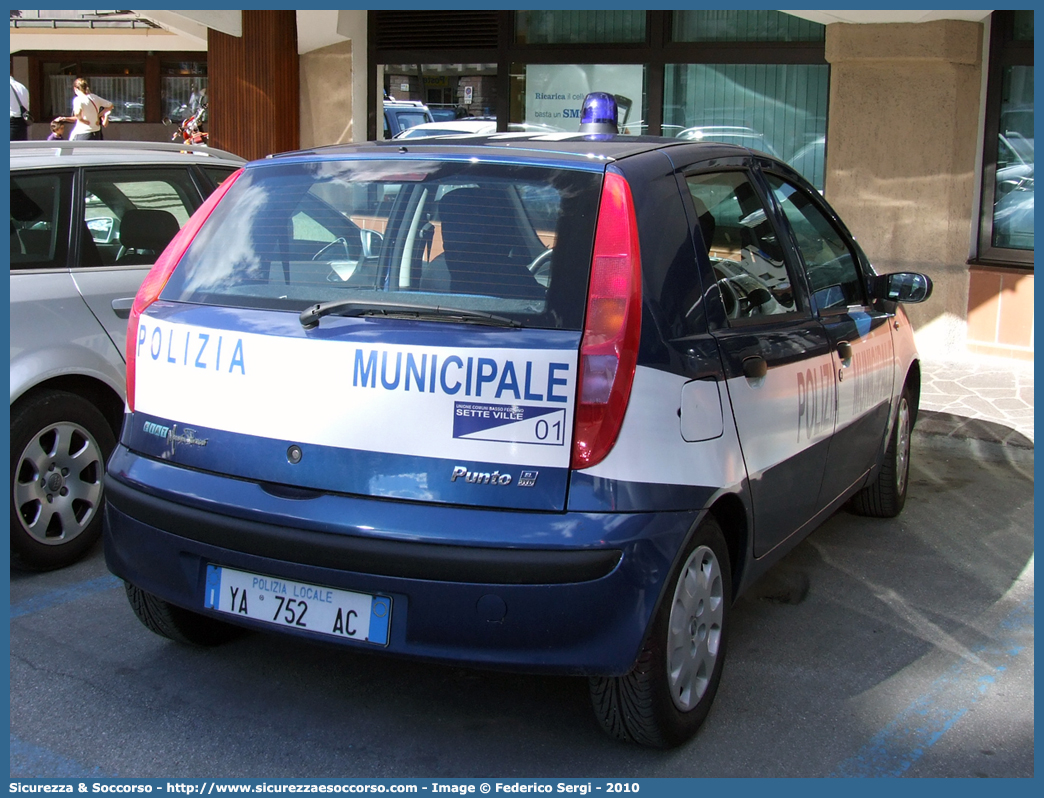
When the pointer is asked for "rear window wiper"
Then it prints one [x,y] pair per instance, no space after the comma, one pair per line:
[350,307]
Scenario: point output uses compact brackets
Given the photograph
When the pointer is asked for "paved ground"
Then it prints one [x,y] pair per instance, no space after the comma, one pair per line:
[876,648]
[978,398]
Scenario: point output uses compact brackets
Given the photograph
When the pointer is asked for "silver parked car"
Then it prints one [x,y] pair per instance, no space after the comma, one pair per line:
[88,219]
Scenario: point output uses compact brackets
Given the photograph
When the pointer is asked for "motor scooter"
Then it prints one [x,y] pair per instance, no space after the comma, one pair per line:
[190,130]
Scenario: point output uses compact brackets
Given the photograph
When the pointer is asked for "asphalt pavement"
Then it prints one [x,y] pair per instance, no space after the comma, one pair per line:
[899,647]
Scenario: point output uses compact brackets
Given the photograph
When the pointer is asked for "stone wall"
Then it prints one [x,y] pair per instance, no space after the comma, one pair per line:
[902,142]
[326,96]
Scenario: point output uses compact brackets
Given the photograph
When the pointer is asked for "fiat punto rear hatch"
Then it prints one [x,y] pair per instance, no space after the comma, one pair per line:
[407,329]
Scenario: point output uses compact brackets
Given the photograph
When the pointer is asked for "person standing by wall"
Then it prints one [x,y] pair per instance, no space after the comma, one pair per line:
[19,110]
[90,113]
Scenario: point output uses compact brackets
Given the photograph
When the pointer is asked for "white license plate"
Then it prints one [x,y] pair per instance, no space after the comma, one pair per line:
[325,610]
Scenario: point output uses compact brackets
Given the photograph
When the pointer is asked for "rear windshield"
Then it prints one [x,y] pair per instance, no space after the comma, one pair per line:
[514,241]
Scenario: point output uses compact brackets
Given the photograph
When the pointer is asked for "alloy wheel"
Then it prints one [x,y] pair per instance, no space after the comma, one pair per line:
[694,629]
[58,483]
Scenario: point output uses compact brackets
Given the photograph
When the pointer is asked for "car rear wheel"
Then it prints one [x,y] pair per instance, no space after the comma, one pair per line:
[665,698]
[886,495]
[175,623]
[59,445]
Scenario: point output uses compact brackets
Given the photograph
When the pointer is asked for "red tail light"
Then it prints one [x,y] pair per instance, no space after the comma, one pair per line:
[158,275]
[612,327]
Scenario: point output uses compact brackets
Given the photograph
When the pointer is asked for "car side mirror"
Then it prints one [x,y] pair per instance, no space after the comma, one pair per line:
[372,241]
[902,287]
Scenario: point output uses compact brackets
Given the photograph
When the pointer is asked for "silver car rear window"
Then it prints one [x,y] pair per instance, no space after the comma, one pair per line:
[498,238]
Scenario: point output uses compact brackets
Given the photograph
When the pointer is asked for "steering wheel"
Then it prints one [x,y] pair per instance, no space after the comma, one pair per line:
[335,242]
[540,261]
[541,266]
[729,297]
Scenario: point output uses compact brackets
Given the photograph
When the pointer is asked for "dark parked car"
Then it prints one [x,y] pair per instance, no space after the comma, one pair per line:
[401,115]
[550,410]
[444,113]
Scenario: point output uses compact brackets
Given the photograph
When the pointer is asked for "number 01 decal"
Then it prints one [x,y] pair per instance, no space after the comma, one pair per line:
[541,426]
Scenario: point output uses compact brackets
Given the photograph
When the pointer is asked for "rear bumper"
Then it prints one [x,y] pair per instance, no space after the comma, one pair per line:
[573,594]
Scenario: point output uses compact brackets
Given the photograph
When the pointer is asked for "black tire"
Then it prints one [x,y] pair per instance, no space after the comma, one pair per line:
[886,495]
[175,623]
[650,705]
[59,445]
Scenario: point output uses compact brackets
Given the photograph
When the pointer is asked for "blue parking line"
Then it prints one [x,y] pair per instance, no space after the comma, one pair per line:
[907,738]
[32,761]
[54,598]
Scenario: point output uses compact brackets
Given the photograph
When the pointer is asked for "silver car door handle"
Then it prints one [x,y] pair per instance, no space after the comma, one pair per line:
[122,307]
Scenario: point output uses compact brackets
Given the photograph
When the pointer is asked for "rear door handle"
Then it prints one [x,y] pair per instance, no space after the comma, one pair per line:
[122,307]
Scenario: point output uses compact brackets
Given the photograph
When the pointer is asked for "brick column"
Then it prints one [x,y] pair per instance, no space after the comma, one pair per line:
[253,85]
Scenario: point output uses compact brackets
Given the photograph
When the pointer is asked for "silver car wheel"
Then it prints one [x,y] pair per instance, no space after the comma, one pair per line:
[694,629]
[902,446]
[58,483]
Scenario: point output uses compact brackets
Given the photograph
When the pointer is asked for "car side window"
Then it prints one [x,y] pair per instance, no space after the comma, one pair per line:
[132,215]
[40,207]
[218,174]
[743,247]
[830,263]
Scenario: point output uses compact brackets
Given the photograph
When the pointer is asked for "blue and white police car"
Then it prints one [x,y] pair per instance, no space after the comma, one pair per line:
[535,402]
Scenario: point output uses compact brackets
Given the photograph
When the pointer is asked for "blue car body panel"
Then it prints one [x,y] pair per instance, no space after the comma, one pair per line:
[584,625]
[511,557]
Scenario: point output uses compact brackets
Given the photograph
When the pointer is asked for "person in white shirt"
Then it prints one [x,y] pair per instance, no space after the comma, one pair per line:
[19,105]
[90,113]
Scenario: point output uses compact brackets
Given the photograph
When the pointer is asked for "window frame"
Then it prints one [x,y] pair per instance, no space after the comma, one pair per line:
[151,61]
[65,249]
[658,50]
[816,201]
[79,211]
[517,37]
[1004,52]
